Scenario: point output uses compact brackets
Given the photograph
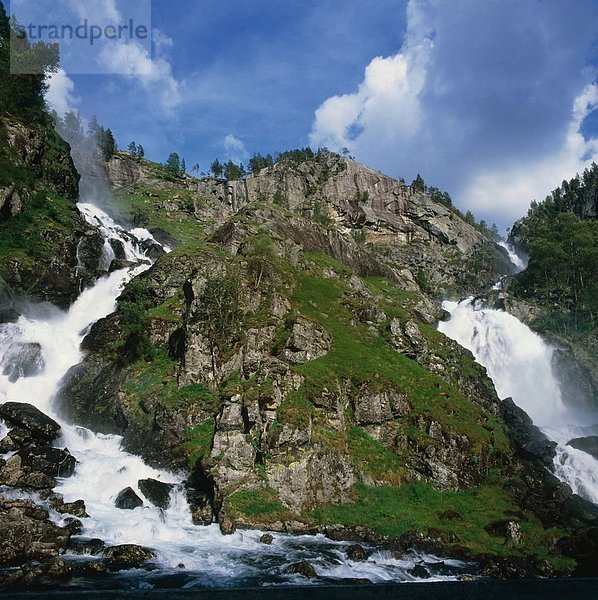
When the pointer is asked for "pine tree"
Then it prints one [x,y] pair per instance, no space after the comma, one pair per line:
[173,164]
[132,149]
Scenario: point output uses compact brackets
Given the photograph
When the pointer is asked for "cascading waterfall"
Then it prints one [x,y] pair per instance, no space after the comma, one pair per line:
[519,362]
[192,555]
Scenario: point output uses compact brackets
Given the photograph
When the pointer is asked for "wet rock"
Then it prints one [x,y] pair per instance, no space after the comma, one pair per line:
[357,553]
[580,511]
[152,249]
[90,568]
[16,438]
[8,312]
[90,251]
[118,248]
[128,556]
[58,568]
[48,460]
[15,474]
[120,263]
[583,547]
[76,508]
[420,572]
[127,499]
[227,525]
[26,535]
[530,441]
[157,492]
[267,538]
[74,526]
[22,359]
[87,546]
[307,341]
[303,568]
[28,417]
[587,444]
[199,489]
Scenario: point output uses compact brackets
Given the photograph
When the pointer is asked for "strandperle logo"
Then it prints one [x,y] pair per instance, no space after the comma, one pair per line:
[85,31]
[91,36]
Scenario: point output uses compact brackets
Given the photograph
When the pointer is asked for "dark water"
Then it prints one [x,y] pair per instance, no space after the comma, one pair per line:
[557,589]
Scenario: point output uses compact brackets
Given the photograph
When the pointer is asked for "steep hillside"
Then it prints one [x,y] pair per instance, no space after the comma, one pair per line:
[295,370]
[402,226]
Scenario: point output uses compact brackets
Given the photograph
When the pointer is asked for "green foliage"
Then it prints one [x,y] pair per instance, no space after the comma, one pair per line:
[133,306]
[173,164]
[262,260]
[279,198]
[233,171]
[199,441]
[22,95]
[563,268]
[258,162]
[217,168]
[418,184]
[373,458]
[219,311]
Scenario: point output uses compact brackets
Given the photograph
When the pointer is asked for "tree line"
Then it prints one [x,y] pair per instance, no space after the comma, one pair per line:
[560,235]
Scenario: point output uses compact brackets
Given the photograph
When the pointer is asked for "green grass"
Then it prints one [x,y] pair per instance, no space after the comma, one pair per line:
[143,202]
[199,441]
[394,511]
[261,505]
[358,355]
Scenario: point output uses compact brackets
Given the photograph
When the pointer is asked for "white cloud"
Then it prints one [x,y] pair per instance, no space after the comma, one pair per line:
[386,106]
[485,99]
[497,192]
[235,148]
[60,96]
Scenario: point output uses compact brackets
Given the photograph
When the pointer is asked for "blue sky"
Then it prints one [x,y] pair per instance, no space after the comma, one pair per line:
[492,100]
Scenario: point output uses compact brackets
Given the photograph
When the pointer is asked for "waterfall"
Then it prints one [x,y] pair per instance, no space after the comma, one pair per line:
[190,554]
[519,362]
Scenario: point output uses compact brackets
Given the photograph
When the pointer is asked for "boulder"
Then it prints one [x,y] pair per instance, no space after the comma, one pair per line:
[530,441]
[303,568]
[48,460]
[510,530]
[420,571]
[127,499]
[22,359]
[128,556]
[587,444]
[306,342]
[76,508]
[15,474]
[27,534]
[356,553]
[267,538]
[157,492]
[87,546]
[27,417]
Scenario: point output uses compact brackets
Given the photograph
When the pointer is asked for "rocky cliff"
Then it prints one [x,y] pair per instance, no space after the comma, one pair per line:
[294,368]
[43,239]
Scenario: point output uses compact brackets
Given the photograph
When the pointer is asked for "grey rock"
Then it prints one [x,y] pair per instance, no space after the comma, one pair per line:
[127,499]
[307,341]
[31,419]
[588,444]
[157,492]
[128,556]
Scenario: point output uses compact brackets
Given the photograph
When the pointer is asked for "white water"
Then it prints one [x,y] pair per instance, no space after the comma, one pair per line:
[519,362]
[519,262]
[205,556]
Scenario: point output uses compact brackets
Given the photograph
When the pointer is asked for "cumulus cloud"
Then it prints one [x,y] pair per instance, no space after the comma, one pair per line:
[235,148]
[60,94]
[485,99]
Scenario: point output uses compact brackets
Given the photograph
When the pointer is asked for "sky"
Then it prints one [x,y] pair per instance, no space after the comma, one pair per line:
[494,101]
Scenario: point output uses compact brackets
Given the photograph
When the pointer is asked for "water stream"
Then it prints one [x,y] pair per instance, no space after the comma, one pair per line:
[188,555]
[519,362]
